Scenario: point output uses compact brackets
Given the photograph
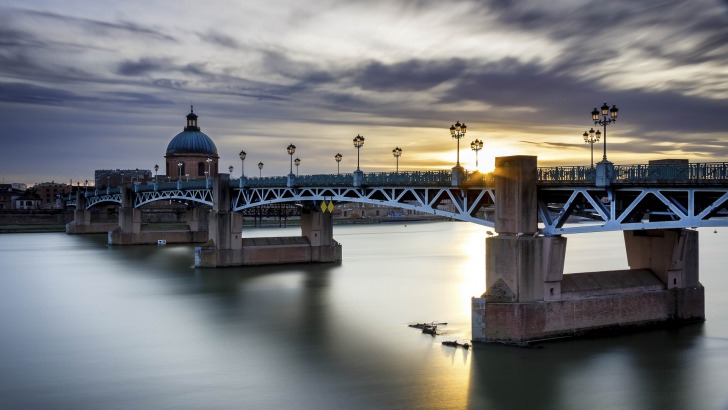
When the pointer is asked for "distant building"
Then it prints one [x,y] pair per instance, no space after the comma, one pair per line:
[48,192]
[8,194]
[28,200]
[191,154]
[116,177]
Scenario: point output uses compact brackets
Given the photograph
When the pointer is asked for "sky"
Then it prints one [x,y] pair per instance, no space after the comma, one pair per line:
[99,84]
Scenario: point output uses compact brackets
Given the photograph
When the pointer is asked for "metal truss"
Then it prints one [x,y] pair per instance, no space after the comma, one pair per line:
[201,195]
[469,204]
[96,200]
[630,208]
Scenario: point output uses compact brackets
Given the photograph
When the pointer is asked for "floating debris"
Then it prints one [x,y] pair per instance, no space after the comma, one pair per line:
[454,343]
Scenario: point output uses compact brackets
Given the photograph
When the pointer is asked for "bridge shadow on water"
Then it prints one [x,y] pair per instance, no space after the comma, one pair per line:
[654,369]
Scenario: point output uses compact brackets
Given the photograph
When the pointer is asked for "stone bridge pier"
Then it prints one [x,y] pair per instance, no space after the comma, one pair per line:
[82,222]
[226,247]
[132,231]
[528,297]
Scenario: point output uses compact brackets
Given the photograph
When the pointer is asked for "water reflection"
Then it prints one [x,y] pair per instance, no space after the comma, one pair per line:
[92,326]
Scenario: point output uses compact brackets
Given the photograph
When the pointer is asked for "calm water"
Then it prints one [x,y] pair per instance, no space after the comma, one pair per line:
[87,326]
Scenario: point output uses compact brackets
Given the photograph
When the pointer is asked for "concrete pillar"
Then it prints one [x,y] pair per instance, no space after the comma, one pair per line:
[515,187]
[605,171]
[130,218]
[524,269]
[318,227]
[672,254]
[458,176]
[130,221]
[521,266]
[224,247]
[358,178]
[81,217]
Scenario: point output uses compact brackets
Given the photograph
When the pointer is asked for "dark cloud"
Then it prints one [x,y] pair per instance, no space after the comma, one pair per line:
[169,83]
[142,66]
[32,94]
[141,99]
[220,39]
[408,75]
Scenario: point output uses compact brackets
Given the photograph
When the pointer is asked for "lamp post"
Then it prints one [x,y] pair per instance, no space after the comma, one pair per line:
[291,150]
[358,143]
[397,152]
[605,111]
[209,168]
[458,131]
[476,146]
[337,157]
[242,156]
[297,162]
[590,138]
[179,166]
[260,168]
[156,168]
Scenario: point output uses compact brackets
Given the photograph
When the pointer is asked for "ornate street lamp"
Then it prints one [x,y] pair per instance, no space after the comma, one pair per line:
[397,152]
[358,143]
[156,168]
[209,168]
[230,169]
[291,150]
[590,138]
[297,162]
[179,166]
[260,168]
[242,156]
[458,131]
[605,111]
[476,146]
[337,157]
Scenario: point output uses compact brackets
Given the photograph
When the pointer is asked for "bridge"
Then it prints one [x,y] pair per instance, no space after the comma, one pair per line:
[642,196]
[530,208]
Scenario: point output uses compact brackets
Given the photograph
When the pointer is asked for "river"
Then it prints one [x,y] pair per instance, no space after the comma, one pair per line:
[89,326]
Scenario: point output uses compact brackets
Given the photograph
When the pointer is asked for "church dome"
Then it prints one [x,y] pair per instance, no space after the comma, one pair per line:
[191,140]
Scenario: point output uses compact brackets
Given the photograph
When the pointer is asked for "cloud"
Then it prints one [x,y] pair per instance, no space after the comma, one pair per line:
[219,39]
[142,66]
[32,94]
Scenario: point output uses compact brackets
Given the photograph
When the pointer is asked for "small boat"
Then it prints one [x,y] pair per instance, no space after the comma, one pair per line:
[161,242]
[430,330]
[453,343]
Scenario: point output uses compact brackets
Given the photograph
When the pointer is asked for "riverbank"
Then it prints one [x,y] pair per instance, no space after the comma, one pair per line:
[32,228]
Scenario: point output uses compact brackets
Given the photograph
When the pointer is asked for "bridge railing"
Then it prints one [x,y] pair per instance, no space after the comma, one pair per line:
[680,172]
[564,174]
[433,178]
[637,173]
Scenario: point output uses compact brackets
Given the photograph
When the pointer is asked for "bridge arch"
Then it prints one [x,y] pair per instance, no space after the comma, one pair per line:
[464,204]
